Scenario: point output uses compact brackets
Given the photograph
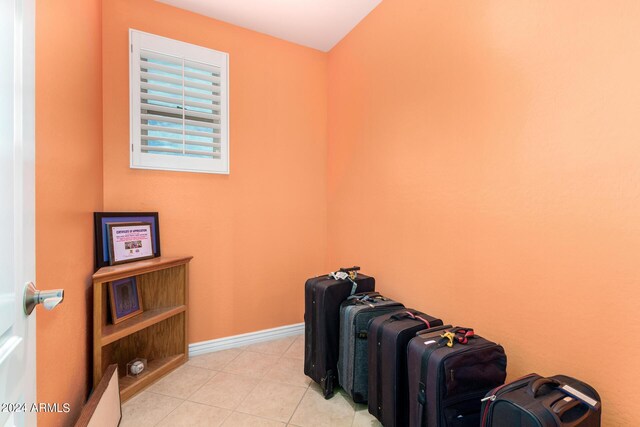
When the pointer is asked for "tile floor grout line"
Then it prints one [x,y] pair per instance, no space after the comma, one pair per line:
[225,363]
[247,395]
[234,409]
[298,405]
[227,417]
[273,419]
[276,382]
[170,412]
[202,385]
[258,416]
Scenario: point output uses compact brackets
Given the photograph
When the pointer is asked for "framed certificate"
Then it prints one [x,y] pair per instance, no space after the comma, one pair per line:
[102,219]
[129,241]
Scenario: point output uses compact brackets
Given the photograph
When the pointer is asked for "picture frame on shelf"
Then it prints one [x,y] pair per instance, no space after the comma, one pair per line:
[124,299]
[129,241]
[101,232]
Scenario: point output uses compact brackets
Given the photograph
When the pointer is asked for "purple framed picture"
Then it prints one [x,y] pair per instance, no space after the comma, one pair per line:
[101,221]
[125,299]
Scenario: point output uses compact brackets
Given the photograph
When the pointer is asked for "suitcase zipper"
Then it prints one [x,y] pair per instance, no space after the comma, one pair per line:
[313,329]
[499,391]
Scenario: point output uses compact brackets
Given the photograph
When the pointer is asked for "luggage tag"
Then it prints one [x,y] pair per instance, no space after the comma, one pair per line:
[339,275]
[590,402]
[344,275]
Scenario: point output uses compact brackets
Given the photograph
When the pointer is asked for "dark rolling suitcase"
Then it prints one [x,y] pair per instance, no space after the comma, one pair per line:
[323,296]
[389,336]
[353,362]
[535,401]
[449,372]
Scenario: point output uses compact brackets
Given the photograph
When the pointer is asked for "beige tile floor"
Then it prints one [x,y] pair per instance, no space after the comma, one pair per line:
[262,385]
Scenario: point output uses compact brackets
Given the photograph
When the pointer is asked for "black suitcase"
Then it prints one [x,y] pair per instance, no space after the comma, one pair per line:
[356,313]
[388,338]
[450,371]
[322,298]
[535,401]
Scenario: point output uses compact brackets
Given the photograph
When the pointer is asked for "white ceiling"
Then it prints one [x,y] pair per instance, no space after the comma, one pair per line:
[319,24]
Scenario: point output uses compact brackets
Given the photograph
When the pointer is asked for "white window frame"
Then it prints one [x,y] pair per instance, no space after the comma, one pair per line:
[187,51]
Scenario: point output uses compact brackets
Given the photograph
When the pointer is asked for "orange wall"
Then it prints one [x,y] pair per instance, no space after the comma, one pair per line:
[257,233]
[483,165]
[68,191]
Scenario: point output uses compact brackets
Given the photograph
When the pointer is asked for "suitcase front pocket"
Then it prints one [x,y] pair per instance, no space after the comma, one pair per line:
[483,369]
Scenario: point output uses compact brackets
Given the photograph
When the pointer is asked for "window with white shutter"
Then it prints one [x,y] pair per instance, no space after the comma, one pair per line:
[179,105]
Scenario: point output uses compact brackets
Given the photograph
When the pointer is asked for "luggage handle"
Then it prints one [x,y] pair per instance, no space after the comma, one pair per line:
[435,329]
[411,315]
[561,407]
[364,295]
[535,386]
[349,269]
[371,301]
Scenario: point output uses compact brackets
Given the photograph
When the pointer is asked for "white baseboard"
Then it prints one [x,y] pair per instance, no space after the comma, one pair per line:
[242,340]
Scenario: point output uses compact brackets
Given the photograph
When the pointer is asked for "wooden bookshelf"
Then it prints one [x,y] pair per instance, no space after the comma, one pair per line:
[158,334]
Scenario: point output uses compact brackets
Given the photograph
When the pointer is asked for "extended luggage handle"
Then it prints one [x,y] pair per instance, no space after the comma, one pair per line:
[574,395]
[561,407]
[411,315]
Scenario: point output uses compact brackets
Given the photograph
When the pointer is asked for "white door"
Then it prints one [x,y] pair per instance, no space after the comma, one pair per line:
[17,218]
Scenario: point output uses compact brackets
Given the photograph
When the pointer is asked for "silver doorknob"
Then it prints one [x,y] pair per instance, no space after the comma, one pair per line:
[33,297]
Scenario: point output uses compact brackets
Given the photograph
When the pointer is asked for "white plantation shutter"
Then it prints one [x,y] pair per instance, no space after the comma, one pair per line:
[179,105]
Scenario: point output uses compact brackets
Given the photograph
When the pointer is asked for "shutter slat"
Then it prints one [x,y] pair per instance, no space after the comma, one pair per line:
[212,154]
[187,102]
[179,141]
[178,111]
[147,54]
[167,99]
[178,82]
[165,149]
[162,129]
[159,77]
[178,91]
[195,85]
[150,66]
[205,67]
[179,131]
[202,134]
[196,104]
[179,121]
[202,76]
